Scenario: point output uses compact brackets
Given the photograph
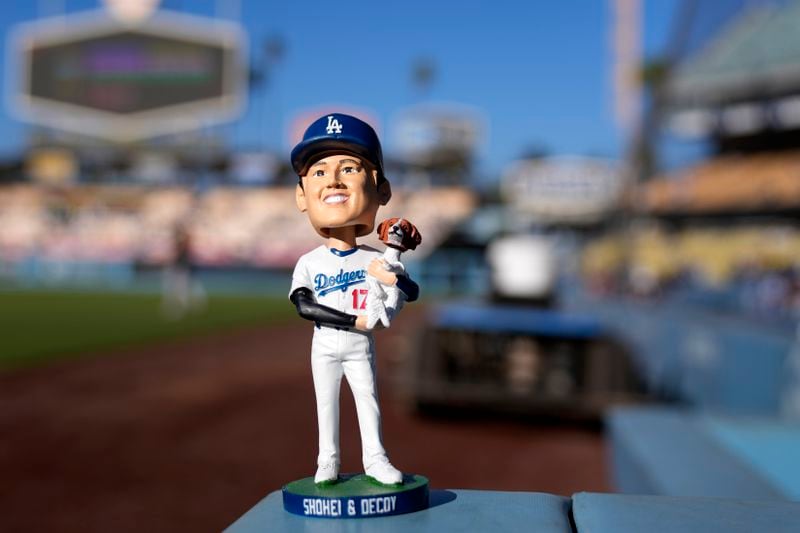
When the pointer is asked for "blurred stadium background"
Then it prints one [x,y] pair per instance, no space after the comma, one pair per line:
[148,355]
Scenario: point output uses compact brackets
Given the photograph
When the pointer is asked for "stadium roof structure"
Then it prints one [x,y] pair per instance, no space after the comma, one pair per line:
[744,80]
[757,55]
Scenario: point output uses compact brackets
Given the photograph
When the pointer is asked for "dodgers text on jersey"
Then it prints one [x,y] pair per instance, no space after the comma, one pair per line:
[324,284]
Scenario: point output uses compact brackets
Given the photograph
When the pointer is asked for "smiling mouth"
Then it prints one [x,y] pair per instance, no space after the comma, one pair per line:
[335,199]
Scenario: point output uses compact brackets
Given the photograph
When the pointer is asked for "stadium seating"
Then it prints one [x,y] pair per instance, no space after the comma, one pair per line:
[713,362]
[228,226]
[732,183]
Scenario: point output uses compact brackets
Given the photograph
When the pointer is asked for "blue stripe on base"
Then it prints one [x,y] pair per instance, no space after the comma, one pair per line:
[389,504]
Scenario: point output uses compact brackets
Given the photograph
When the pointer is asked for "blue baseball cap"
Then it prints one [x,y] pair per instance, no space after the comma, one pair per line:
[334,134]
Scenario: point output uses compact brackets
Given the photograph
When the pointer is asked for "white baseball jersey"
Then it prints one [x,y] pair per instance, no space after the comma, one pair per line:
[337,278]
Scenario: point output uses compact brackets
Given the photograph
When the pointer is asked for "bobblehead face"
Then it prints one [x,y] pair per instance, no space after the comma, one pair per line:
[341,195]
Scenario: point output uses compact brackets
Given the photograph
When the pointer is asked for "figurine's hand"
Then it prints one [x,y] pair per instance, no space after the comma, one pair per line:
[377,269]
[361,324]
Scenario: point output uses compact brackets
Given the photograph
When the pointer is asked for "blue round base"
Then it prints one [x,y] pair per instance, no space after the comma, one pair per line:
[355,496]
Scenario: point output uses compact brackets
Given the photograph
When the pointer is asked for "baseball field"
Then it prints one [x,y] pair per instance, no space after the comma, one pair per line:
[114,418]
[42,325]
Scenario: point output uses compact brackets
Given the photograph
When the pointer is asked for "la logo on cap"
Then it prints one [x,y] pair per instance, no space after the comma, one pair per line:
[333,125]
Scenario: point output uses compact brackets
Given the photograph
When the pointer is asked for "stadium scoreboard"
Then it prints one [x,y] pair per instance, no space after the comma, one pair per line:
[126,72]
[95,75]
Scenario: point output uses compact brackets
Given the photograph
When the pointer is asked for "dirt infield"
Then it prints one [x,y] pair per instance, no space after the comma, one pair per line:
[188,435]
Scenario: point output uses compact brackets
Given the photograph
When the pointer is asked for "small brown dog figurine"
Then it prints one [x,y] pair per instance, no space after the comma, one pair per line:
[399,233]
[384,302]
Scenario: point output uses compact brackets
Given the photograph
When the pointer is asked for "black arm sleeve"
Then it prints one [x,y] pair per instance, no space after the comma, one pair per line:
[309,309]
[408,286]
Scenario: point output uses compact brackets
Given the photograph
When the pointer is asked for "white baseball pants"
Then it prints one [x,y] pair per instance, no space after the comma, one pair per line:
[336,352]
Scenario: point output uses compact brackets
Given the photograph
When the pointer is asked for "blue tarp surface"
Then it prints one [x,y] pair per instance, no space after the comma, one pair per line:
[472,510]
[616,513]
[768,446]
[515,319]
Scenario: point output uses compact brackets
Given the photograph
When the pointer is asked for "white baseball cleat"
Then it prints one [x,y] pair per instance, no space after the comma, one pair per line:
[327,473]
[383,472]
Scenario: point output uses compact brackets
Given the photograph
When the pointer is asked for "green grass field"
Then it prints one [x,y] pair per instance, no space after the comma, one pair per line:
[36,326]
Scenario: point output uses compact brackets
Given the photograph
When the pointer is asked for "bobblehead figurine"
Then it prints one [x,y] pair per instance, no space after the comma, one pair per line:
[341,186]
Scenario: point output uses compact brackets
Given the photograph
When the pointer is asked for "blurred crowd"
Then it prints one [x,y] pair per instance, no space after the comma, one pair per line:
[753,269]
[225,226]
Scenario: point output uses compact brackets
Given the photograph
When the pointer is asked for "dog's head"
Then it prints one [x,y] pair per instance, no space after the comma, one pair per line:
[399,233]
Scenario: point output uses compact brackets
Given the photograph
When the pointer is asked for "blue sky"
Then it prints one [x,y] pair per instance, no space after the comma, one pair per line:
[539,71]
